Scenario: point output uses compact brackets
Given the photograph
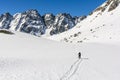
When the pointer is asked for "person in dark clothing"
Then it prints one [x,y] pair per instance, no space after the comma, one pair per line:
[79,55]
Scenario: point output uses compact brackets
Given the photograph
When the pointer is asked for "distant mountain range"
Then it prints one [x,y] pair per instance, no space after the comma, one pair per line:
[101,24]
[32,22]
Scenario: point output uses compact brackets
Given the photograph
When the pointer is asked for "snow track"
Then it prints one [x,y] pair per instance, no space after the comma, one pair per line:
[25,57]
[73,69]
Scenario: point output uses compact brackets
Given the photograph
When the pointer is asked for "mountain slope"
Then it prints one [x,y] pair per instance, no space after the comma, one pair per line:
[25,57]
[102,24]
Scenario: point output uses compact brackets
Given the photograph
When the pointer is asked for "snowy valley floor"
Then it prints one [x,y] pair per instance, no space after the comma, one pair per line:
[25,57]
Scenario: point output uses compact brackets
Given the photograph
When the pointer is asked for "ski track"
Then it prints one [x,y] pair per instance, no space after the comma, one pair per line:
[73,69]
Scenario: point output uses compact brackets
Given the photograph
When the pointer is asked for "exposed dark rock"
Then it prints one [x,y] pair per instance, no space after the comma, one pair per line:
[114,5]
[49,20]
[32,22]
[5,20]
[62,23]
[110,4]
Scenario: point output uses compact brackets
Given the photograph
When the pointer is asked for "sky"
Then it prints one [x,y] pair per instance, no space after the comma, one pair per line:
[74,7]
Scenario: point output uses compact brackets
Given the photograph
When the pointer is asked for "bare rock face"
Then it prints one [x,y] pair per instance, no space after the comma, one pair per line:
[62,23]
[33,23]
[5,20]
[49,20]
[110,4]
[114,4]
[29,22]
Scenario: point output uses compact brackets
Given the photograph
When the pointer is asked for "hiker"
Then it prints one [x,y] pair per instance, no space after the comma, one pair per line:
[79,55]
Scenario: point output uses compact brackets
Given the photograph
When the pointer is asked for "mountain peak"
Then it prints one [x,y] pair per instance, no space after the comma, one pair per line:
[102,25]
[7,15]
[113,5]
[108,6]
[32,22]
[5,20]
[31,11]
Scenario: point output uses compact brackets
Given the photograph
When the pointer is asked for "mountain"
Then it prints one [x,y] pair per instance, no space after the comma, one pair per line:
[49,20]
[101,25]
[30,22]
[5,20]
[33,23]
[63,22]
[26,57]
[58,24]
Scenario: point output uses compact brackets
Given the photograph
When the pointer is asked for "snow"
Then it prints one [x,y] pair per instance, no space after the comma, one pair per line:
[25,57]
[16,21]
[98,27]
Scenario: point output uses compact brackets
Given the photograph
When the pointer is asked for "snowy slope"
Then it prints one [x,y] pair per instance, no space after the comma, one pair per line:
[100,25]
[25,57]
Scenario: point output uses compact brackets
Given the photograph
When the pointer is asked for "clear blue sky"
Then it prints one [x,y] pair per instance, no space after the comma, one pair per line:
[74,7]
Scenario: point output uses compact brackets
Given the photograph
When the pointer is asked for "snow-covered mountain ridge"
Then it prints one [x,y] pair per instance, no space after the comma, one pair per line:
[71,29]
[101,25]
[32,22]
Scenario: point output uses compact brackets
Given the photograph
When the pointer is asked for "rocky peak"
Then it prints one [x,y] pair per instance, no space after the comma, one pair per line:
[30,22]
[31,11]
[7,15]
[49,20]
[75,18]
[5,20]
[33,14]
[114,4]
[62,23]
[110,4]
[63,16]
